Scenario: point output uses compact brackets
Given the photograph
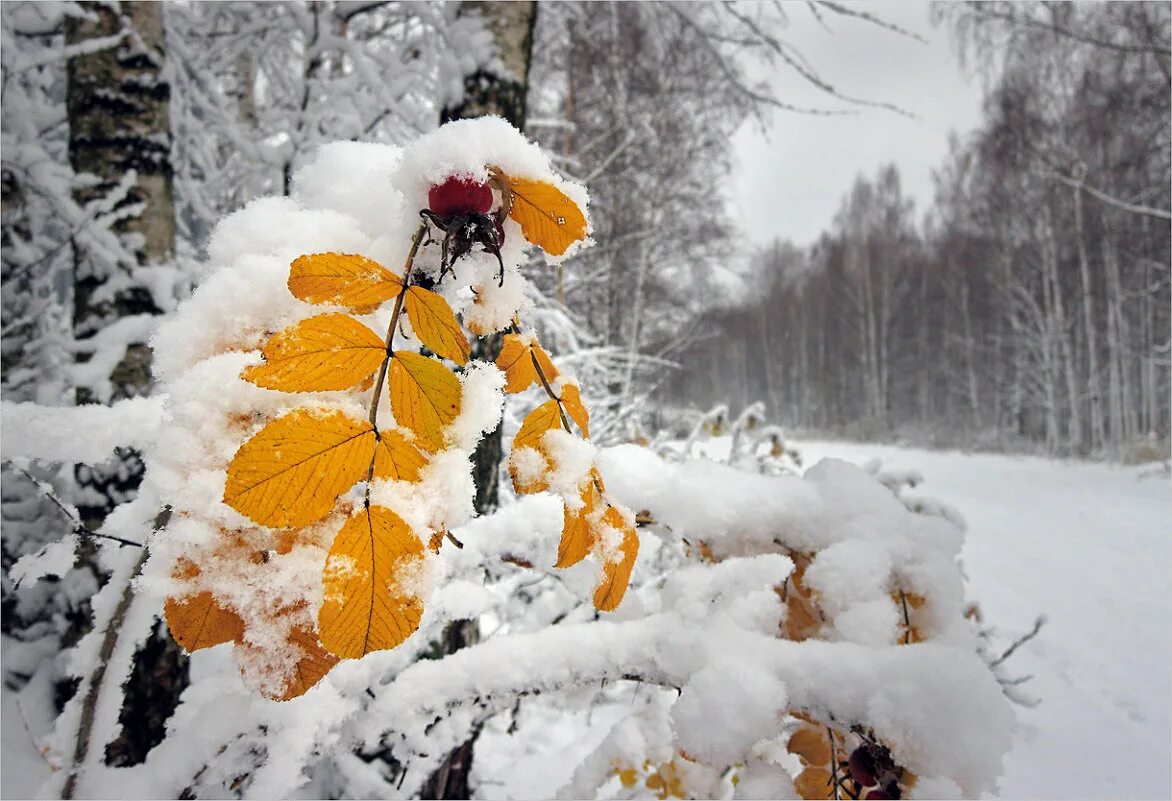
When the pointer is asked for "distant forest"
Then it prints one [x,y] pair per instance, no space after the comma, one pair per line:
[1029,306]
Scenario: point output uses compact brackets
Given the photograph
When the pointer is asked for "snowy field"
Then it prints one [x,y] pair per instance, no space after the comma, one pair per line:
[1090,547]
[1087,545]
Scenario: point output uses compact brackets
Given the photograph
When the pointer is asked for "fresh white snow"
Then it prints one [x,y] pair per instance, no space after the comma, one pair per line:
[1087,545]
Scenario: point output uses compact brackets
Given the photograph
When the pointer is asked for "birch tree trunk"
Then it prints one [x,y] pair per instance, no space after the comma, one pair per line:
[1089,330]
[118,104]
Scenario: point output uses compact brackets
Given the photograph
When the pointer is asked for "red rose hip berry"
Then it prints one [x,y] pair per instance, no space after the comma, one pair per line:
[459,196]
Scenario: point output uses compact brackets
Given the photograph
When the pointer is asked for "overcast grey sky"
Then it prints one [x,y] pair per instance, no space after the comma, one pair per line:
[789,183]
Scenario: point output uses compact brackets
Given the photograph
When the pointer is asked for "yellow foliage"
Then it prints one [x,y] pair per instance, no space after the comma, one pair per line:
[327,352]
[811,745]
[548,218]
[545,417]
[815,783]
[425,397]
[519,362]
[628,776]
[577,538]
[396,458]
[364,608]
[343,279]
[667,781]
[292,470]
[616,574]
[436,325]
[572,400]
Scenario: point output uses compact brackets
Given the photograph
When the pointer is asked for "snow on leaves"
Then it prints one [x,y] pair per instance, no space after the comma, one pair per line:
[298,478]
[592,522]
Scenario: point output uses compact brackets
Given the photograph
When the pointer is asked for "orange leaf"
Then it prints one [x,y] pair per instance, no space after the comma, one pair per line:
[343,279]
[814,783]
[572,400]
[292,470]
[548,218]
[529,476]
[577,538]
[314,664]
[514,361]
[545,417]
[811,745]
[425,396]
[199,621]
[365,609]
[616,574]
[396,458]
[327,352]
[436,325]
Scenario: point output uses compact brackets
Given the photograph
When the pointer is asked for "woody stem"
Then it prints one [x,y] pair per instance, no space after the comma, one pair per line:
[382,370]
[545,384]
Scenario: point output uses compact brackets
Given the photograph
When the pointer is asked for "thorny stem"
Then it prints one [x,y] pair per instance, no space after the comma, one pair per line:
[382,369]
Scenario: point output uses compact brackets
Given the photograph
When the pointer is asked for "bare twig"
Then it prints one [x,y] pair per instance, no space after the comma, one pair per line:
[1020,641]
[79,527]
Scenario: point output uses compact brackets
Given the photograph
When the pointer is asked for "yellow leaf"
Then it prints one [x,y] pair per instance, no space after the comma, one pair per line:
[572,400]
[291,472]
[436,325]
[616,574]
[548,218]
[199,621]
[425,397]
[315,662]
[814,783]
[343,279]
[515,363]
[533,428]
[811,745]
[327,352]
[365,609]
[396,458]
[577,539]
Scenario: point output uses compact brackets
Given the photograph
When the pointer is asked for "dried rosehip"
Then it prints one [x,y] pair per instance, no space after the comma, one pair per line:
[459,196]
[862,766]
[887,791]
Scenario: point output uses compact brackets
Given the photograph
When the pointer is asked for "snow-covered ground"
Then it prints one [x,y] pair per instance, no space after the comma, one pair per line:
[1087,545]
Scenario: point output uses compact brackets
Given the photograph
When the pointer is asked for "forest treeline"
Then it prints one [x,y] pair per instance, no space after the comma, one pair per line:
[1029,306]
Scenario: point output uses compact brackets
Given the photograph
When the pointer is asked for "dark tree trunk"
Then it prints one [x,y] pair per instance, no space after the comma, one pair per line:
[486,93]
